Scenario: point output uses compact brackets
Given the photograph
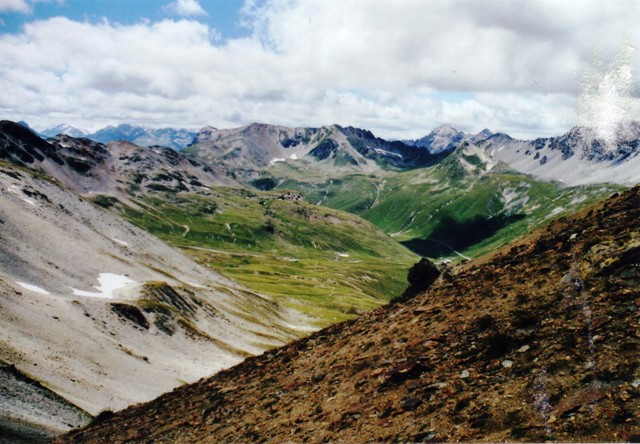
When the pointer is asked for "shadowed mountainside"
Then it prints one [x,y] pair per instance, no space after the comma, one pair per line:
[538,342]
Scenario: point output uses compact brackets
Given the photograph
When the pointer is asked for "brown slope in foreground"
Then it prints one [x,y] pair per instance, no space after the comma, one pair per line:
[540,342]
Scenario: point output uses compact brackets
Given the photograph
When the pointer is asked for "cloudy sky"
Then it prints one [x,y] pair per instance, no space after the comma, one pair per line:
[397,67]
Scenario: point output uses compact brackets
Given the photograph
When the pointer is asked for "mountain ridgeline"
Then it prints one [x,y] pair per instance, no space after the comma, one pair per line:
[448,194]
[142,136]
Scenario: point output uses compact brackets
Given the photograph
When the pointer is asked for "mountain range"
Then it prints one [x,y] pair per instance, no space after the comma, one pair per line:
[172,265]
[142,136]
[575,158]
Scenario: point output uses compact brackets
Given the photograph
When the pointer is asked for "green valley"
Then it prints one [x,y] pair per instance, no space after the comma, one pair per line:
[465,206]
[326,263]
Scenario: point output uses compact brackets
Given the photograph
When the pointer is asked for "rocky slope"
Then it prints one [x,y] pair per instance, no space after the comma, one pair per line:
[578,157]
[120,168]
[30,413]
[99,311]
[538,342]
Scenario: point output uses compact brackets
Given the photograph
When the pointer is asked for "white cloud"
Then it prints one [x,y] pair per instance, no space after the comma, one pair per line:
[186,8]
[391,67]
[15,5]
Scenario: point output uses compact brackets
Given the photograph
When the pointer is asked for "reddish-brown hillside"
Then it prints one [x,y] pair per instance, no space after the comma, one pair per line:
[541,342]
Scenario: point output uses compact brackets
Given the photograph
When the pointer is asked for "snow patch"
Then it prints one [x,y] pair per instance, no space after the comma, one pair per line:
[578,199]
[387,153]
[276,160]
[556,210]
[121,242]
[109,283]
[30,201]
[33,288]
[194,285]
[293,157]
[342,254]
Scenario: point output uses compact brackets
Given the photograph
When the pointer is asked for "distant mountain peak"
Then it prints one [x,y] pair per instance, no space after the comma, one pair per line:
[441,139]
[445,129]
[481,136]
[143,136]
[64,128]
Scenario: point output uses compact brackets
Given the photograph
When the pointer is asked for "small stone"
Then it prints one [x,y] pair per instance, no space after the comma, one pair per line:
[410,403]
[464,374]
[523,349]
[318,378]
[552,419]
[507,363]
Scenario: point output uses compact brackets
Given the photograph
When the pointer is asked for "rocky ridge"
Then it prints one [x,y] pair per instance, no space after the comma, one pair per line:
[247,150]
[537,342]
[119,168]
[578,157]
[168,137]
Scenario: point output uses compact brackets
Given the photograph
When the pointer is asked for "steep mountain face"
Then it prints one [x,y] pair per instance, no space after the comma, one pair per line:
[97,310]
[575,158]
[168,137]
[443,139]
[141,315]
[31,413]
[255,147]
[537,343]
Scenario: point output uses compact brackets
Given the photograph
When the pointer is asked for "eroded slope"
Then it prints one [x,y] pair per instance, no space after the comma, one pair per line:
[106,315]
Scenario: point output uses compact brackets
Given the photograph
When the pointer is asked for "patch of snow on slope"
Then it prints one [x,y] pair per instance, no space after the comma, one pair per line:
[556,210]
[109,283]
[387,153]
[33,288]
[293,157]
[276,160]
[121,242]
[578,199]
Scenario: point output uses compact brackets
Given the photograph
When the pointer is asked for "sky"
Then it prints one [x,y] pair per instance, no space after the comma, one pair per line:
[530,68]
